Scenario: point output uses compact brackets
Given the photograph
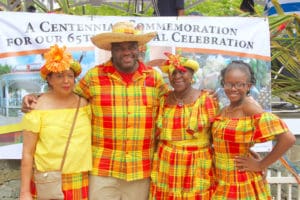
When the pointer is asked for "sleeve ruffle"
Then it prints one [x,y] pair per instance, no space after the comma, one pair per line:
[267,126]
[203,113]
[258,128]
[31,122]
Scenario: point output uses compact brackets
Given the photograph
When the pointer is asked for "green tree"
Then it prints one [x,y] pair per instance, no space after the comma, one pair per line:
[4,69]
[222,8]
[207,8]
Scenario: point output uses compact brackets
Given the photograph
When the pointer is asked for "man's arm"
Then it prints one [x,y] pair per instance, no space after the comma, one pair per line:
[180,12]
[180,7]
[29,101]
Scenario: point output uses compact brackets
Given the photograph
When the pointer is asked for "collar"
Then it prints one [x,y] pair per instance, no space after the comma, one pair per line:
[108,67]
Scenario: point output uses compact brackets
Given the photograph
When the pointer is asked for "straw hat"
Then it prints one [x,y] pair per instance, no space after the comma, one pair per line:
[178,62]
[121,32]
[59,60]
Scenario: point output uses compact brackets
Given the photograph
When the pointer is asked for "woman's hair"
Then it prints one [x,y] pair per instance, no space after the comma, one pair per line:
[191,70]
[241,65]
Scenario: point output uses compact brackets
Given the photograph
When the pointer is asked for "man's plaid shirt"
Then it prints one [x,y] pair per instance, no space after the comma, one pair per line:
[123,119]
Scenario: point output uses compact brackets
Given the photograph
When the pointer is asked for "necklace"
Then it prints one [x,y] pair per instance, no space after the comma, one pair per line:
[180,102]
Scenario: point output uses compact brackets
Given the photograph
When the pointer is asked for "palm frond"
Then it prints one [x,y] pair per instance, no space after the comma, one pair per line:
[41,6]
[285,48]
[64,6]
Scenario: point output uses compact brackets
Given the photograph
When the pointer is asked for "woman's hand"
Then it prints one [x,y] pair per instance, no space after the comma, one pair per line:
[248,164]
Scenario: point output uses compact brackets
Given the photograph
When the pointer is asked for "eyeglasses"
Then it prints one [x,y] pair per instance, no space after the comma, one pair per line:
[235,85]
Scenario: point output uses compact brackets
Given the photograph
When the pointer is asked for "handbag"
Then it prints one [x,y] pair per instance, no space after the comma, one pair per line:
[49,184]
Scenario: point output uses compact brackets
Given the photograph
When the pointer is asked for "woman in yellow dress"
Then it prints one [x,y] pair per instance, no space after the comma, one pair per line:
[47,127]
[182,166]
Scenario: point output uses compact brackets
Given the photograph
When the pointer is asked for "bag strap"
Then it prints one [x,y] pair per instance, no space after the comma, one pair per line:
[70,134]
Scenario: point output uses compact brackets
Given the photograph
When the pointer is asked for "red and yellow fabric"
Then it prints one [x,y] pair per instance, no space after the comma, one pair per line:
[75,186]
[124,115]
[235,137]
[182,167]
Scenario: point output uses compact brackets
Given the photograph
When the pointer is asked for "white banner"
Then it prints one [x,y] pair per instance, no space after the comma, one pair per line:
[230,35]
[212,41]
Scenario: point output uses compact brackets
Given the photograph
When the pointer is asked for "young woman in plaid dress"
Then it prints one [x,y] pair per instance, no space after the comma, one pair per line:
[238,127]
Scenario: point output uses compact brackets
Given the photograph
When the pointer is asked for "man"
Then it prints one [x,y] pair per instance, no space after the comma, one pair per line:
[123,94]
[170,7]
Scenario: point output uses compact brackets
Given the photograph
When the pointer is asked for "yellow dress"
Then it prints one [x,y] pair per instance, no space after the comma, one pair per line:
[53,127]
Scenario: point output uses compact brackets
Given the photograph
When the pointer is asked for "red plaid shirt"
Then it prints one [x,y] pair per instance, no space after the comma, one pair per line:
[123,119]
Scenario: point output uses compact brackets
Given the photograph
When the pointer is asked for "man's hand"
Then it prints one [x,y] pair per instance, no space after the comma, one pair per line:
[28,102]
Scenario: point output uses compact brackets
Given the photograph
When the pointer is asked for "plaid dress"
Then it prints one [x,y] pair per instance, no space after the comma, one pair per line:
[182,167]
[235,137]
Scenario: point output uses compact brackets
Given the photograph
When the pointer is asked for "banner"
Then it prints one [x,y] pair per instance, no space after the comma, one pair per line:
[212,41]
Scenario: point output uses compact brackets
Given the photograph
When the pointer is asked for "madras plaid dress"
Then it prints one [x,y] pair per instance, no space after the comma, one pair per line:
[235,137]
[182,167]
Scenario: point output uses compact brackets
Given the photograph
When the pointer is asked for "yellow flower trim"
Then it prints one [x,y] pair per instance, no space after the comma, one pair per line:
[178,62]
[58,59]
